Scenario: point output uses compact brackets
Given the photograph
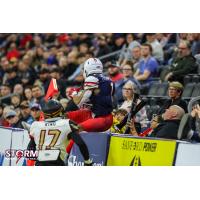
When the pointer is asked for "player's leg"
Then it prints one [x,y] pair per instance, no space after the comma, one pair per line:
[79,115]
[98,124]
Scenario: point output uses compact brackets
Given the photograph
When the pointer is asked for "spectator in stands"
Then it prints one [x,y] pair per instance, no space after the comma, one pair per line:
[148,131]
[35,111]
[157,50]
[126,54]
[55,73]
[169,127]
[175,91]
[28,95]
[148,66]
[12,119]
[18,89]
[38,57]
[77,77]
[44,79]
[83,48]
[38,95]
[26,112]
[162,39]
[5,90]
[1,115]
[13,51]
[11,78]
[119,41]
[15,101]
[38,43]
[194,123]
[136,56]
[52,60]
[103,48]
[129,90]
[26,74]
[117,119]
[195,48]
[72,64]
[127,71]
[4,67]
[183,64]
[114,72]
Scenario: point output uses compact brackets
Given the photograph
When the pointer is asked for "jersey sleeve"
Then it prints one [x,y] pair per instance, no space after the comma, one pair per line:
[32,129]
[91,82]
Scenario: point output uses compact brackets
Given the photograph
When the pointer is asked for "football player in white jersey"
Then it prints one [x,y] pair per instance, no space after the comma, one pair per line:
[49,137]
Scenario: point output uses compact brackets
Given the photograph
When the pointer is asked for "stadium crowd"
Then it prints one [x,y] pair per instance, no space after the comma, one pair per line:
[158,66]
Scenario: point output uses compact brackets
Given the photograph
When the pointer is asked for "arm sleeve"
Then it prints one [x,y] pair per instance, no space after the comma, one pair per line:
[91,82]
[71,106]
[85,97]
[31,145]
[152,66]
[192,124]
[74,135]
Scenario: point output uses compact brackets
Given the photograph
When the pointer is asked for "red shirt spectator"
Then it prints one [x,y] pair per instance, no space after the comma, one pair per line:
[114,72]
[13,52]
[25,39]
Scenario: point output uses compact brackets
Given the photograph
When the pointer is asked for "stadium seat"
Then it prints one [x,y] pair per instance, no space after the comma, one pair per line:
[195,78]
[184,127]
[196,90]
[162,89]
[186,80]
[152,101]
[153,89]
[187,92]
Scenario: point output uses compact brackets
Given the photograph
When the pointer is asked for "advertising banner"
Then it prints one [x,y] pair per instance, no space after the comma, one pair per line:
[97,144]
[12,143]
[188,155]
[129,151]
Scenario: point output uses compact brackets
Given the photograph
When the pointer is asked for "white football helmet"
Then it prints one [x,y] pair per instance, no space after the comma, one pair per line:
[92,66]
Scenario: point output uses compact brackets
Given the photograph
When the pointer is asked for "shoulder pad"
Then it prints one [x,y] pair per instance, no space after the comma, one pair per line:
[91,82]
[33,126]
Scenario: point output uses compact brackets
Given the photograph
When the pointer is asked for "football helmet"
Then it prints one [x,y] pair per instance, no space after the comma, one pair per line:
[92,66]
[53,108]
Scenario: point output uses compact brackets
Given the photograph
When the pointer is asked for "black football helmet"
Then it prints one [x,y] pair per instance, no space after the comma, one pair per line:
[53,108]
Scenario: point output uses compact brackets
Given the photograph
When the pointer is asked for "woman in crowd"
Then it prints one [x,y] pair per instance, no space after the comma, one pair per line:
[129,91]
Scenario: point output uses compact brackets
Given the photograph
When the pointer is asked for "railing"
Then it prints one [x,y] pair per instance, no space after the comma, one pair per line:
[115,53]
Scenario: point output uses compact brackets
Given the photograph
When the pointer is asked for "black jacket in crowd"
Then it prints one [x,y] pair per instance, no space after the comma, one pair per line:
[183,66]
[167,129]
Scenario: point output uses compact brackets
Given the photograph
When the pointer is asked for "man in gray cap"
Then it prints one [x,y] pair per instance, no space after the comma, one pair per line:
[35,111]
[13,119]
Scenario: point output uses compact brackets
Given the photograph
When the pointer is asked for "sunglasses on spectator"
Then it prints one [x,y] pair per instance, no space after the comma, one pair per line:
[10,117]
